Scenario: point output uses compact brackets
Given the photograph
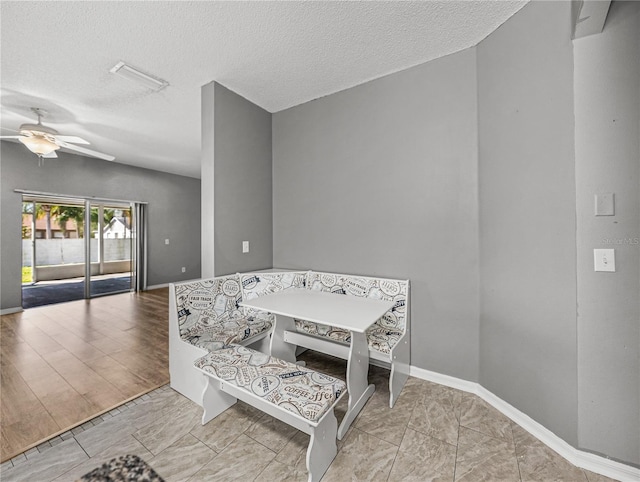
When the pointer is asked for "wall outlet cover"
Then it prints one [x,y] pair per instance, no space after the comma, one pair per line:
[604,259]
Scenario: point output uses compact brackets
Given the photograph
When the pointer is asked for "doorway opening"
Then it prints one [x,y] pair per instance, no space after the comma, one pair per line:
[77,248]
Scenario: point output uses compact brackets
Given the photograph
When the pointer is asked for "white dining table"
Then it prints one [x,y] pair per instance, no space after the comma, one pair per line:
[350,313]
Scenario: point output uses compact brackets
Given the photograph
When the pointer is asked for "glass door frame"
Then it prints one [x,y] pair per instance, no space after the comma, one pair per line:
[89,205]
[138,248]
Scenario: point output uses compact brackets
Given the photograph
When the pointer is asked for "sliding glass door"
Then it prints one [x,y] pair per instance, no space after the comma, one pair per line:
[110,248]
[79,248]
[53,256]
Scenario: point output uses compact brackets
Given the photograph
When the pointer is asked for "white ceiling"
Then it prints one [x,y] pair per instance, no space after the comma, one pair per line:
[56,55]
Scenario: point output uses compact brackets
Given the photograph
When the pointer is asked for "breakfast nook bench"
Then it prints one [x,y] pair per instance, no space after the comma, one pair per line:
[296,395]
[209,314]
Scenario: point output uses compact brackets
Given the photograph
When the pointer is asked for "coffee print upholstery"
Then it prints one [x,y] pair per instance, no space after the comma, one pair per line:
[385,332]
[209,315]
[205,315]
[297,389]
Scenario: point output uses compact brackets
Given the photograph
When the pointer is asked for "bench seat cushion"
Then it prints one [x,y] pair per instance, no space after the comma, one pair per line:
[213,339]
[379,338]
[227,333]
[297,389]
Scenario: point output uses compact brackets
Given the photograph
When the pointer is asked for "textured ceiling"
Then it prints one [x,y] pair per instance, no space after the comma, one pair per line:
[56,55]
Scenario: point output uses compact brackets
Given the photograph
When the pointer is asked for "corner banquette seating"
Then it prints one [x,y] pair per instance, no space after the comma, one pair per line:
[205,316]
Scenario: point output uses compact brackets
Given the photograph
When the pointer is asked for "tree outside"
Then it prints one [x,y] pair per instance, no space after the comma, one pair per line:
[61,218]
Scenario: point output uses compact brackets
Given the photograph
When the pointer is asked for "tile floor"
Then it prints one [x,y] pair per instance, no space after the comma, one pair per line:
[434,433]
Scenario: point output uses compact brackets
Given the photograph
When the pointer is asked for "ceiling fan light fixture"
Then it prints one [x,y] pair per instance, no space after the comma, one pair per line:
[44,141]
[39,129]
[147,80]
[39,145]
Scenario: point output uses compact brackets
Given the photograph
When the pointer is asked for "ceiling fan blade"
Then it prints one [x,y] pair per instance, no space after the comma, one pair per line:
[51,155]
[73,139]
[86,151]
[7,129]
[10,137]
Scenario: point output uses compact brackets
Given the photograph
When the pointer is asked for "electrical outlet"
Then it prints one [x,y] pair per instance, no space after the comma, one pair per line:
[604,259]
[184,270]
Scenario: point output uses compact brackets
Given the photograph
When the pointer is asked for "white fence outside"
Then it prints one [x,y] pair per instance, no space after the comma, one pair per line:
[71,251]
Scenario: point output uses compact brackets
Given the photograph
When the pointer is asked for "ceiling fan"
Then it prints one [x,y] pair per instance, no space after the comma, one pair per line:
[45,141]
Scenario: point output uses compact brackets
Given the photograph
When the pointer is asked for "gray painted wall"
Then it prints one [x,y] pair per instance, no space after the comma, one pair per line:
[207,171]
[242,183]
[607,113]
[460,174]
[527,216]
[381,180]
[174,210]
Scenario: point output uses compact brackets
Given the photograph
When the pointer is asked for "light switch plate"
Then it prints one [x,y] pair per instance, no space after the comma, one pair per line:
[605,204]
[604,259]
[245,246]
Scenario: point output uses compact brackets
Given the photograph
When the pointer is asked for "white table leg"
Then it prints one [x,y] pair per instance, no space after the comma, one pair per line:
[357,382]
[278,347]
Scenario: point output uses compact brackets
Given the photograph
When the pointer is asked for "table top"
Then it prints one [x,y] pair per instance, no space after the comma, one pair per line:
[342,311]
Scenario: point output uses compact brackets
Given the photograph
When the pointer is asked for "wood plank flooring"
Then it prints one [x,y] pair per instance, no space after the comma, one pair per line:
[64,364]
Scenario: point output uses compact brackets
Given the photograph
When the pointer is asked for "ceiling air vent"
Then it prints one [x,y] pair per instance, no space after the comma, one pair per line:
[147,80]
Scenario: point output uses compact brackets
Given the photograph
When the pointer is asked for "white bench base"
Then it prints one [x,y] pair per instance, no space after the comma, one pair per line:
[184,378]
[219,396]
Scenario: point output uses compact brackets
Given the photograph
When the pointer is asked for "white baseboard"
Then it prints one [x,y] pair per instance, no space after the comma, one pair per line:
[446,380]
[579,458]
[155,287]
[8,311]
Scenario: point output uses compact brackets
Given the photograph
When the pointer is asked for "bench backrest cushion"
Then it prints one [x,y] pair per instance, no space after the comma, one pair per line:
[297,389]
[207,303]
[260,284]
[379,288]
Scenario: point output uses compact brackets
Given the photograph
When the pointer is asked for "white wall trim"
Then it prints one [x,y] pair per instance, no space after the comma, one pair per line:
[155,287]
[8,311]
[446,380]
[585,460]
